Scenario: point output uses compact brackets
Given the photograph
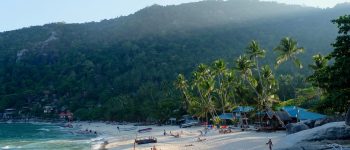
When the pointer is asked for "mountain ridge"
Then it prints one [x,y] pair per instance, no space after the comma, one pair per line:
[133,60]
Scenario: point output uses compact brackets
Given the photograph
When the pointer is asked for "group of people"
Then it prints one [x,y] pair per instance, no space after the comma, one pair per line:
[89,132]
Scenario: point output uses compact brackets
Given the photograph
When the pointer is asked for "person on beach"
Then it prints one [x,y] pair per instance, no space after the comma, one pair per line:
[118,128]
[270,144]
[164,132]
[154,148]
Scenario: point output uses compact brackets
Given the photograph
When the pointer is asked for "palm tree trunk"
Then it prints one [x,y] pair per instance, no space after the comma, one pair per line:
[206,118]
[256,92]
[259,74]
[221,91]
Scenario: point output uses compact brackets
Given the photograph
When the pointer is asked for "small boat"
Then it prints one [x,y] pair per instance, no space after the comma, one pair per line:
[146,140]
[144,130]
[189,124]
[128,129]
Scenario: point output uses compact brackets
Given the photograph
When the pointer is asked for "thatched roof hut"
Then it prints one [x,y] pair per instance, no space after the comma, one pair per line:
[275,119]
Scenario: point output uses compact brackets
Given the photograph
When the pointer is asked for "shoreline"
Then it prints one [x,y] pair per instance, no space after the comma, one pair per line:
[193,138]
[188,137]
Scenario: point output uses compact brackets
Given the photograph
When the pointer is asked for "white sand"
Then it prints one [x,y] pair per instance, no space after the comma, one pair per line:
[124,140]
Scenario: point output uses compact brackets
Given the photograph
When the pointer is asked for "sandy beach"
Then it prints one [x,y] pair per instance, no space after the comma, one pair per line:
[188,140]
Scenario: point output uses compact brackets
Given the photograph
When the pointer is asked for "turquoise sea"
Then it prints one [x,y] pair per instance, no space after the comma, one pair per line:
[25,136]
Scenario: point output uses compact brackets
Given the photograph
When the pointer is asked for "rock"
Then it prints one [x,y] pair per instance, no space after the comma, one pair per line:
[309,123]
[336,132]
[323,121]
[316,145]
[332,133]
[347,118]
[296,127]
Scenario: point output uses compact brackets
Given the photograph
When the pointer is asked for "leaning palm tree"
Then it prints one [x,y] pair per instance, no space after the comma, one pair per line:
[244,65]
[287,50]
[255,52]
[270,85]
[182,85]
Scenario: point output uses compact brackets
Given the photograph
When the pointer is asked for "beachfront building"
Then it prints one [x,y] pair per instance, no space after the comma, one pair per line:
[48,109]
[68,116]
[24,112]
[9,113]
[172,121]
[227,118]
[301,114]
[270,119]
[242,113]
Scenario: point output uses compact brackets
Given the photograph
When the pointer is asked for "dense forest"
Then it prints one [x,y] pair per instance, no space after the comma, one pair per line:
[124,68]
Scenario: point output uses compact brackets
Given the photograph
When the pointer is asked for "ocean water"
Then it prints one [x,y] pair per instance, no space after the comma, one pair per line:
[25,136]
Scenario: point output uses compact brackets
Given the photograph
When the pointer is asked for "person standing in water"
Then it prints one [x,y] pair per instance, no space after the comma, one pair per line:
[118,128]
[270,144]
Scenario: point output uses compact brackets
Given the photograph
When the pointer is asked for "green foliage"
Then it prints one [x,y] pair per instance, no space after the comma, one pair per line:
[89,68]
[288,49]
[306,98]
[218,86]
[334,78]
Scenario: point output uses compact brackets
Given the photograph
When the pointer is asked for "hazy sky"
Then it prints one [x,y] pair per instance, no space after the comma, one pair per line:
[16,14]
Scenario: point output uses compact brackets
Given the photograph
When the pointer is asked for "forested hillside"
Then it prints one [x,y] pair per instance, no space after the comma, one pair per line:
[124,68]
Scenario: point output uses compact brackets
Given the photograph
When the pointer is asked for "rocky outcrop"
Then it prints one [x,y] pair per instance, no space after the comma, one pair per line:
[318,145]
[296,127]
[334,131]
[323,121]
[310,123]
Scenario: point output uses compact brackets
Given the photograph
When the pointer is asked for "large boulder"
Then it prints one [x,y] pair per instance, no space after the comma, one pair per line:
[316,145]
[334,131]
[296,127]
[340,132]
[323,121]
[309,123]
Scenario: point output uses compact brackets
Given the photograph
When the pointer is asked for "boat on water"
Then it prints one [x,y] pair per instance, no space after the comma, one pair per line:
[145,130]
[128,129]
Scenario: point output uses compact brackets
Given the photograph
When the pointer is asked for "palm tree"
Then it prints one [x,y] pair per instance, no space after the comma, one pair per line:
[244,65]
[255,52]
[219,70]
[182,85]
[287,50]
[320,63]
[203,82]
[269,85]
